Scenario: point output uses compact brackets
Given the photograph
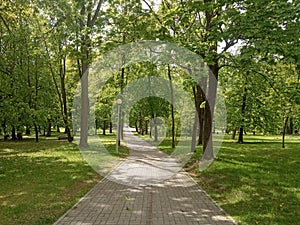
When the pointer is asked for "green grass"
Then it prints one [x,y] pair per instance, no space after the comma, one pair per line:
[257,182]
[41,181]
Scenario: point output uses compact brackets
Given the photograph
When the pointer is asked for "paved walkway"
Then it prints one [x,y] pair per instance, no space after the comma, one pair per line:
[146,189]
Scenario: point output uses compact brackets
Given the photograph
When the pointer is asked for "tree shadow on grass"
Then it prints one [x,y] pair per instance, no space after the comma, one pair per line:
[40,184]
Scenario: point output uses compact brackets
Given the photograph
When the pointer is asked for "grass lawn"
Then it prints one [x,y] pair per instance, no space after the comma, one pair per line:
[40,181]
[257,182]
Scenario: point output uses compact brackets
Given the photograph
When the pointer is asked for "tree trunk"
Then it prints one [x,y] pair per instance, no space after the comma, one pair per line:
[104,128]
[146,127]
[233,134]
[141,124]
[136,126]
[290,127]
[110,127]
[172,107]
[284,131]
[48,128]
[87,20]
[64,98]
[13,134]
[84,101]
[194,133]
[122,87]
[155,131]
[36,130]
[241,132]
[208,153]
[27,131]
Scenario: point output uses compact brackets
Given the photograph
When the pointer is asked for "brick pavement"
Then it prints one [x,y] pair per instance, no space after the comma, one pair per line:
[146,189]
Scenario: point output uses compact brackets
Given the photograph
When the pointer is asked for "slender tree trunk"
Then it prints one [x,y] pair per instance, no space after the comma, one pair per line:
[110,127]
[27,131]
[122,87]
[64,98]
[194,133]
[48,128]
[84,102]
[172,107]
[243,111]
[290,127]
[136,126]
[146,127]
[233,134]
[104,128]
[141,124]
[155,131]
[36,130]
[154,126]
[284,131]
[13,133]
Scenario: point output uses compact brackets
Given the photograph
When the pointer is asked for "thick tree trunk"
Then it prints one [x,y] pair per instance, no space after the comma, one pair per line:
[87,21]
[84,102]
[208,153]
[172,107]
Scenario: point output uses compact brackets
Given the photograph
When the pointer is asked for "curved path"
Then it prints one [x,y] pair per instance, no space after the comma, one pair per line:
[146,189]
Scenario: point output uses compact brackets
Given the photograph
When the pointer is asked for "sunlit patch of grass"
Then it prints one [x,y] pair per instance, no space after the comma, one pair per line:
[257,182]
[40,181]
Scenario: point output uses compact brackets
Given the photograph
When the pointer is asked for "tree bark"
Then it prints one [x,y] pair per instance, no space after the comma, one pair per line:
[194,133]
[84,105]
[141,124]
[243,111]
[64,98]
[13,133]
[48,128]
[27,130]
[36,130]
[284,131]
[233,134]
[172,107]
[104,128]
[208,153]
[89,23]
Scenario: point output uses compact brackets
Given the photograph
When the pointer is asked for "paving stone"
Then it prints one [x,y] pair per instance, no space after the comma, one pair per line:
[146,194]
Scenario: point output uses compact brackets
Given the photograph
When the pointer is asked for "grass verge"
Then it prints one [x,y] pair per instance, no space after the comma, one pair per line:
[256,182]
[40,181]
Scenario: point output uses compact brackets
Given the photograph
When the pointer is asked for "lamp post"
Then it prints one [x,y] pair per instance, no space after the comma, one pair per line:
[119,102]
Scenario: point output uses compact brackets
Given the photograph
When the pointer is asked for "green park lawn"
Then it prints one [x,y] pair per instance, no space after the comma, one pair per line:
[257,182]
[40,181]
